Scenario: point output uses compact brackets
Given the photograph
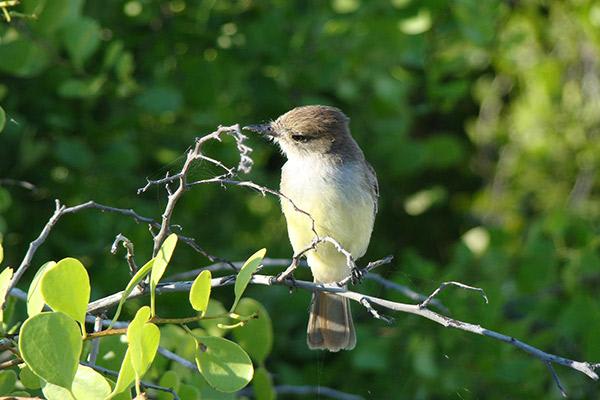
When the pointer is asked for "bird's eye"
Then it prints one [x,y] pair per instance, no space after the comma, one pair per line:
[301,138]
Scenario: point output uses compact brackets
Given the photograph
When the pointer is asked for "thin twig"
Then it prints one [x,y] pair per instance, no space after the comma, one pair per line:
[194,154]
[444,285]
[130,255]
[556,379]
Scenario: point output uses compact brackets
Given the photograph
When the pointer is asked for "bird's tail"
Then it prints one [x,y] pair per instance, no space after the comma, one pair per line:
[330,324]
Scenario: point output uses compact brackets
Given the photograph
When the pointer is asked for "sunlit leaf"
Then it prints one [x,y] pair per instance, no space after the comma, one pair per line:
[223,363]
[35,299]
[65,287]
[256,335]
[5,278]
[200,291]
[87,385]
[245,274]
[143,340]
[161,261]
[50,343]
[136,279]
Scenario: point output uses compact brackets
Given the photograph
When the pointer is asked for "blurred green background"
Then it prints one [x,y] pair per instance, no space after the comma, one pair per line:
[481,118]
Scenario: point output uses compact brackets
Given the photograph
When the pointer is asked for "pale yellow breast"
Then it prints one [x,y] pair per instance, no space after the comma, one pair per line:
[341,207]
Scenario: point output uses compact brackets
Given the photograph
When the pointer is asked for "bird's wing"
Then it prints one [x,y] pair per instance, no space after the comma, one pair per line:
[372,177]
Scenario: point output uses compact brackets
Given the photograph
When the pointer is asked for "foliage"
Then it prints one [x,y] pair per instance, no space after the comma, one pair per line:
[480,118]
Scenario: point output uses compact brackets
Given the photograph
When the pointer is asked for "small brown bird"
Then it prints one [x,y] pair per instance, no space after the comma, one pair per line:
[326,175]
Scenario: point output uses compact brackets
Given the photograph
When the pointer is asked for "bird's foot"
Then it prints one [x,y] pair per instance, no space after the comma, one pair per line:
[357,275]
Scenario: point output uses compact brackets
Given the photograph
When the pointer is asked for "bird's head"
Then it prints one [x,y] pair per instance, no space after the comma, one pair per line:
[308,130]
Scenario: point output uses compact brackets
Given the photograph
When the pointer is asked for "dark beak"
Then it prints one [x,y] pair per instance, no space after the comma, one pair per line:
[263,129]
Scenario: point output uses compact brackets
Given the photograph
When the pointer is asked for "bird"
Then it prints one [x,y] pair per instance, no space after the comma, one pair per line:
[327,176]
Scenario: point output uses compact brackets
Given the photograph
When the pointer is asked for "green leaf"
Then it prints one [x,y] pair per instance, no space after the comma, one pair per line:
[35,300]
[188,392]
[66,288]
[87,385]
[5,277]
[126,376]
[137,278]
[23,58]
[77,88]
[81,38]
[171,380]
[262,385]
[200,291]
[8,379]
[143,338]
[50,343]
[245,274]
[256,335]
[29,379]
[160,265]
[2,124]
[223,363]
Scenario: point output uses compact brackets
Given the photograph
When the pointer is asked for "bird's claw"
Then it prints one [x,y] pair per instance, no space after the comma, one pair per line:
[357,275]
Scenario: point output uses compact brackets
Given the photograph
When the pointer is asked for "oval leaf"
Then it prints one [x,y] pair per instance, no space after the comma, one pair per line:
[143,340]
[35,300]
[29,379]
[68,274]
[160,265]
[5,277]
[8,379]
[50,343]
[200,291]
[81,39]
[262,385]
[245,274]
[256,335]
[223,363]
[87,385]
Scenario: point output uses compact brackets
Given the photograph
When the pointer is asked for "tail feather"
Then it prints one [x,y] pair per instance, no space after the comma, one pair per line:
[330,324]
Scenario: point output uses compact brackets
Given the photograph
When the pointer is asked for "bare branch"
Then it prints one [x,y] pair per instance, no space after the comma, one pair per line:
[15,182]
[444,285]
[416,309]
[61,210]
[95,342]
